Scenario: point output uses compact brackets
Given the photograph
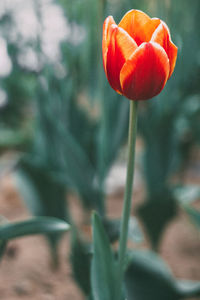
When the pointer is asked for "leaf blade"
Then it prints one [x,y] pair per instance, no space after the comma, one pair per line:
[103,265]
[39,225]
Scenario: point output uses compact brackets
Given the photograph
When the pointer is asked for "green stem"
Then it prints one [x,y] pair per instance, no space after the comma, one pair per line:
[128,189]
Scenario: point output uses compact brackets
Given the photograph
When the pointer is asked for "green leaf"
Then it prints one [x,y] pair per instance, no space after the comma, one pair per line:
[40,225]
[193,214]
[187,194]
[80,259]
[42,192]
[112,228]
[2,247]
[113,131]
[148,278]
[103,269]
[188,288]
[155,216]
[3,243]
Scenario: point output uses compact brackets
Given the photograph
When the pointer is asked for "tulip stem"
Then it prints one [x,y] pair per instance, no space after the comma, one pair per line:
[128,191]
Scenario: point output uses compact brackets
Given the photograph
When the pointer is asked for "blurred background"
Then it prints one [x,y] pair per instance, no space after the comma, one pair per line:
[63,143]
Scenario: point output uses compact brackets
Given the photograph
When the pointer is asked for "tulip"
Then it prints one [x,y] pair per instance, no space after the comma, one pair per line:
[138,55]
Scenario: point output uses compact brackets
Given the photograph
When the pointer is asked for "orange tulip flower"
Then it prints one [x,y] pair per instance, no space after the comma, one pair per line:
[138,55]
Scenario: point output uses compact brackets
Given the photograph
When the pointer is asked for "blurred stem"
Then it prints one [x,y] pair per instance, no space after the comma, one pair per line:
[128,190]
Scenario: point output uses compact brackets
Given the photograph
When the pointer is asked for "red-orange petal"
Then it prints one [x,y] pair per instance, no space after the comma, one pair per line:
[144,75]
[120,48]
[139,25]
[162,37]
[106,38]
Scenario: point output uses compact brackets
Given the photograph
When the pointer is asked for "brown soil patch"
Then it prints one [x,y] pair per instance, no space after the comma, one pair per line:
[26,273]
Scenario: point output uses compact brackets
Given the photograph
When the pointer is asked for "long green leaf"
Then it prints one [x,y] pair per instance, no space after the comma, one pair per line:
[148,278]
[40,225]
[103,265]
[188,288]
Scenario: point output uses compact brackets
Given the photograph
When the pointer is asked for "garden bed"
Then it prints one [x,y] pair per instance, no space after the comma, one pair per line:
[26,272]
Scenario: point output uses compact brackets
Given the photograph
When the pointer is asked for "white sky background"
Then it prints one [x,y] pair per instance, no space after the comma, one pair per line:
[52,30]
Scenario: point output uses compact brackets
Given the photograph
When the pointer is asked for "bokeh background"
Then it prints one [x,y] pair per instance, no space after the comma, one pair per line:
[63,143]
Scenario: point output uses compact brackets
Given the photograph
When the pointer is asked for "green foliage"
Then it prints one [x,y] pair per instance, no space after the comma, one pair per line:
[3,243]
[103,269]
[147,277]
[41,190]
[113,131]
[194,215]
[81,261]
[112,228]
[70,147]
[169,123]
[159,163]
[40,225]
[186,194]
[69,138]
[71,126]
[18,86]
[43,194]
[156,215]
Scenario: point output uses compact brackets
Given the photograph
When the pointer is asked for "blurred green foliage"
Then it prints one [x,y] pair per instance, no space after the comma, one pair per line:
[146,274]
[167,123]
[40,225]
[68,126]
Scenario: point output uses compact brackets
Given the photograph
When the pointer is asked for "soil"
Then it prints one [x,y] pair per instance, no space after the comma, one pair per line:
[26,272]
